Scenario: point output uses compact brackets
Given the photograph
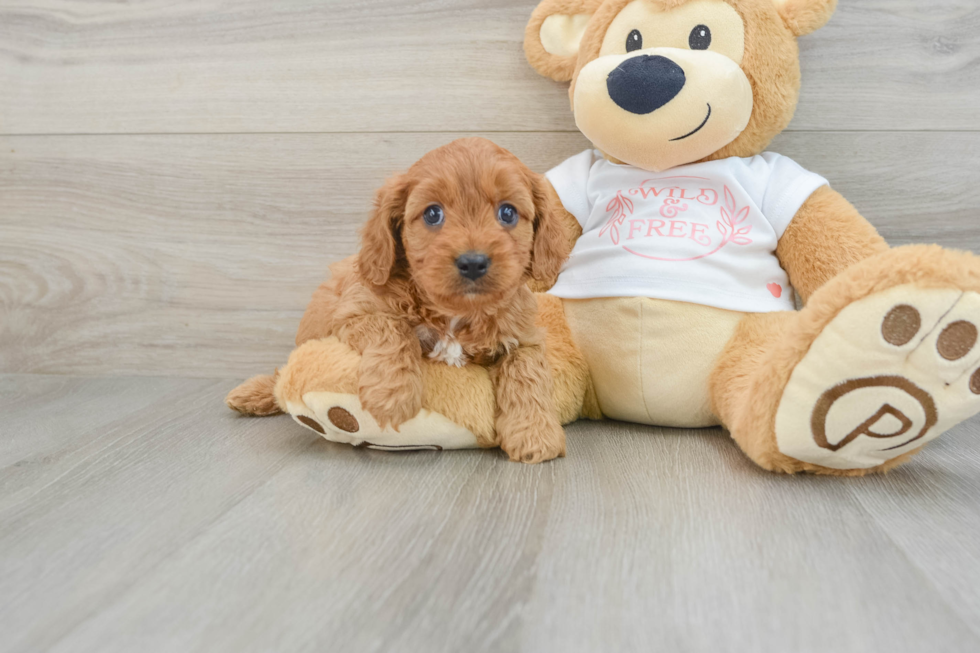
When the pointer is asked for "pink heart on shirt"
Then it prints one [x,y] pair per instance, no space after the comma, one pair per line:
[776,290]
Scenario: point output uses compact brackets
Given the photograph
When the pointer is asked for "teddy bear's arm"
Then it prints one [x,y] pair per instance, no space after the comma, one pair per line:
[826,236]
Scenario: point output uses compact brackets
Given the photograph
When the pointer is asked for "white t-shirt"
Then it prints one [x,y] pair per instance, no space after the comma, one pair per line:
[703,233]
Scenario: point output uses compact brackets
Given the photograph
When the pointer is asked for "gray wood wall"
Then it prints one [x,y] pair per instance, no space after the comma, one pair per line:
[175,177]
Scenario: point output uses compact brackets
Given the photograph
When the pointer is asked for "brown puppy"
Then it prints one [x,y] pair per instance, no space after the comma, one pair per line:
[442,273]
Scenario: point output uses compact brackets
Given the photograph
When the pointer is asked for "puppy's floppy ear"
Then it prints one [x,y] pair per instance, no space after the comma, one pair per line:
[553,35]
[805,16]
[381,244]
[552,241]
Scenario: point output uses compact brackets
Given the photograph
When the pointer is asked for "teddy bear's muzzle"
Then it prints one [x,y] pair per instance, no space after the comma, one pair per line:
[662,107]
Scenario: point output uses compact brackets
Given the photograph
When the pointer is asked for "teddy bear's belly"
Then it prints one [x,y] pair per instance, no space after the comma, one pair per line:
[650,359]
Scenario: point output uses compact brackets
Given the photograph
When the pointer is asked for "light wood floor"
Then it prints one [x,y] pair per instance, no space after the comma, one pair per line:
[174,179]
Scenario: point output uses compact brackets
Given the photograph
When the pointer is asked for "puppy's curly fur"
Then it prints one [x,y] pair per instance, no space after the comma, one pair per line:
[403,296]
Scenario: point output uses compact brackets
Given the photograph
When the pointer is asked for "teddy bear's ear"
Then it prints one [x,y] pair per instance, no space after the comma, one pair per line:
[805,16]
[553,34]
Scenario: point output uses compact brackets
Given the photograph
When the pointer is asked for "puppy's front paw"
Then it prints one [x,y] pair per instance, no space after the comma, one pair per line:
[392,403]
[535,444]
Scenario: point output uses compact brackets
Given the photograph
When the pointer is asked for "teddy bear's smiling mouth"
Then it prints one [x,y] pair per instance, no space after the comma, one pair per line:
[700,127]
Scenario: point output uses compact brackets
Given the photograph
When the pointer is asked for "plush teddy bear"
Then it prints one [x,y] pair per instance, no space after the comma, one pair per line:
[676,307]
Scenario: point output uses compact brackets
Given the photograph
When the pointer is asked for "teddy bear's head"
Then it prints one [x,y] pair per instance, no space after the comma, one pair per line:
[661,83]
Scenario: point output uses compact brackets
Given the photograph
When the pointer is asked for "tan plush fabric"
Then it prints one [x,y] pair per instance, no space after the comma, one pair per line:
[556,66]
[812,250]
[651,358]
[805,16]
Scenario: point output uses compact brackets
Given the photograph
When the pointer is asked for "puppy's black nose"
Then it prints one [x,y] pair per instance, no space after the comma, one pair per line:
[473,265]
[644,83]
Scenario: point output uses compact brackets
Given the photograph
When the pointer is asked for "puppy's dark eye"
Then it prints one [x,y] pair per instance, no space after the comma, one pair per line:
[433,215]
[700,38]
[507,215]
[634,41]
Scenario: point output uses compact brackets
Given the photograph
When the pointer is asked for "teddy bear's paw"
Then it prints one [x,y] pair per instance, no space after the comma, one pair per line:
[340,418]
[890,373]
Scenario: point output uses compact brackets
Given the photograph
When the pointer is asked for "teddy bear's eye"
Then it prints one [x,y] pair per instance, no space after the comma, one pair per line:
[634,41]
[700,38]
[433,215]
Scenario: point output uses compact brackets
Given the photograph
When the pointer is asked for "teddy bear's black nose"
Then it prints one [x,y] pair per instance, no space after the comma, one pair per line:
[644,83]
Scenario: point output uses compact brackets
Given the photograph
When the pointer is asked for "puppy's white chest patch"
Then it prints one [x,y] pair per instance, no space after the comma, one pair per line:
[447,348]
[449,351]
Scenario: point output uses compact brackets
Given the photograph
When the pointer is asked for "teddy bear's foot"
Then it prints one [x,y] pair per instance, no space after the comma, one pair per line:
[318,387]
[339,417]
[890,373]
